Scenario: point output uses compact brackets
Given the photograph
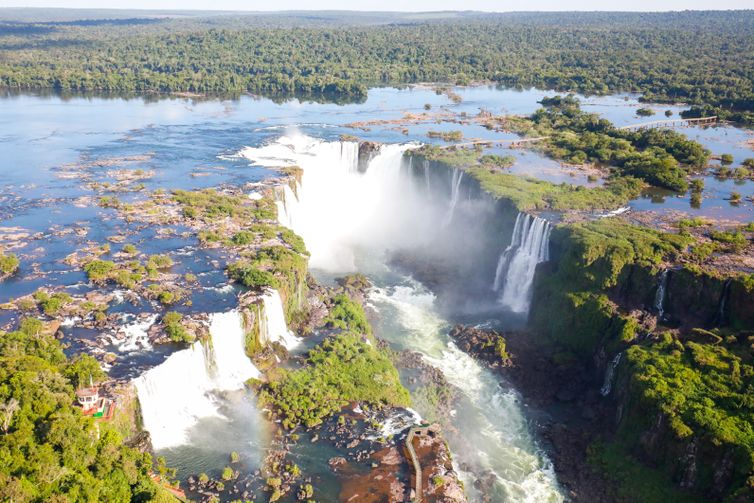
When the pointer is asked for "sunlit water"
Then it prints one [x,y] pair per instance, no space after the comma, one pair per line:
[189,144]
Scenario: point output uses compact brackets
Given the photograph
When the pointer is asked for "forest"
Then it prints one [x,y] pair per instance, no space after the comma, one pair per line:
[702,58]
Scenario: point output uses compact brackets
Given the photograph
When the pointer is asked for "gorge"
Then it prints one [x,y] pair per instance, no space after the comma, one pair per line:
[542,339]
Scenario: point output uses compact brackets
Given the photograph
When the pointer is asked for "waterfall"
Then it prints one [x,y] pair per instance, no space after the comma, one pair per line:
[176,394]
[455,189]
[660,295]
[338,206]
[232,367]
[426,177]
[286,205]
[607,385]
[515,269]
[273,327]
[720,316]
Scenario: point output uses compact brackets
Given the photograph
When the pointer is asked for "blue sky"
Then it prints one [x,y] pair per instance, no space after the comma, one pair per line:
[396,5]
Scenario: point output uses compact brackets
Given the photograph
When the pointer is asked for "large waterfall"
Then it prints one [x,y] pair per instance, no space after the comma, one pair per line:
[175,395]
[338,207]
[529,246]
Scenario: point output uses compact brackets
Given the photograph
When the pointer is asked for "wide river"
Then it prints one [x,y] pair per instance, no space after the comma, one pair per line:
[54,151]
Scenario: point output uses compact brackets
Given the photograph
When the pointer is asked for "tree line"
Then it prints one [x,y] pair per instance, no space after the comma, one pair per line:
[694,58]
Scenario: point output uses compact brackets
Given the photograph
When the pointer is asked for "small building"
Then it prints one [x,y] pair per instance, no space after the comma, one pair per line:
[92,404]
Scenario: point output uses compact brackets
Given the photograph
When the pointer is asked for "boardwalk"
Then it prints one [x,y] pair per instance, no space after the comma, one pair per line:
[415,462]
[700,121]
[509,142]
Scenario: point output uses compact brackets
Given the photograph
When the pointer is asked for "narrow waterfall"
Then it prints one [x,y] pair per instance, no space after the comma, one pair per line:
[660,295]
[720,316]
[426,177]
[286,206]
[175,395]
[455,189]
[607,385]
[231,365]
[273,327]
[515,270]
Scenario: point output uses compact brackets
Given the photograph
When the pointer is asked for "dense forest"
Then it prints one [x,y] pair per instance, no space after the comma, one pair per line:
[703,58]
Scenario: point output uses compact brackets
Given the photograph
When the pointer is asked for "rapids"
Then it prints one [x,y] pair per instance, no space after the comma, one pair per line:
[348,219]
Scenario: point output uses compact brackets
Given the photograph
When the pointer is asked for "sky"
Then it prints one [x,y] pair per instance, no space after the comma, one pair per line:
[391,5]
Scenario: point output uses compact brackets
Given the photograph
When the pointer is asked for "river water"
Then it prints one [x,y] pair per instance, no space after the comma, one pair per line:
[53,149]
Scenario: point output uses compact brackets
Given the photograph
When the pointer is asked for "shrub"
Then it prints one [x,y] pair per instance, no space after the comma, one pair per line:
[250,276]
[339,370]
[8,264]
[227,473]
[726,159]
[130,249]
[347,314]
[99,271]
[172,323]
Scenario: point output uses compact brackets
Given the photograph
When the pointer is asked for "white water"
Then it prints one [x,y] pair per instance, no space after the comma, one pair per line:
[338,208]
[515,270]
[175,395]
[495,433]
[232,367]
[274,327]
[607,385]
[135,335]
[455,189]
[660,295]
[344,215]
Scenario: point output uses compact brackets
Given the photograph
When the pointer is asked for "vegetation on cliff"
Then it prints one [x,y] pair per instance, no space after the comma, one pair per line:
[47,447]
[529,194]
[342,369]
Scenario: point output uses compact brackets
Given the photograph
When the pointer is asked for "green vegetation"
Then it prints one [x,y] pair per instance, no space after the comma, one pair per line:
[726,159]
[696,57]
[48,450]
[172,323]
[51,304]
[702,390]
[209,205]
[661,157]
[8,264]
[448,136]
[340,370]
[645,112]
[634,481]
[533,194]
[497,161]
[572,307]
[130,249]
[347,314]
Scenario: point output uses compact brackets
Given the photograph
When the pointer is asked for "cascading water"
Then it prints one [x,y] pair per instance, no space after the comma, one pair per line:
[515,270]
[455,189]
[338,207]
[720,316]
[175,395]
[274,328]
[347,216]
[660,294]
[493,431]
[607,384]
